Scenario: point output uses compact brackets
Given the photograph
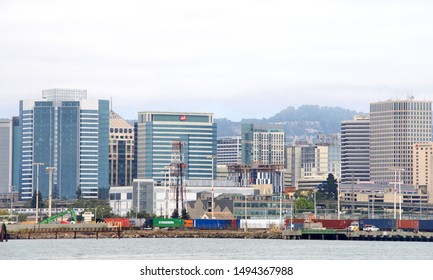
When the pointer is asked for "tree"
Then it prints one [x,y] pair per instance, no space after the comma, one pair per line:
[175,214]
[33,202]
[330,188]
[78,192]
[185,214]
[303,203]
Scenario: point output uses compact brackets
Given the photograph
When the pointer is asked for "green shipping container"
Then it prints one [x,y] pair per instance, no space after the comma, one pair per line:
[167,223]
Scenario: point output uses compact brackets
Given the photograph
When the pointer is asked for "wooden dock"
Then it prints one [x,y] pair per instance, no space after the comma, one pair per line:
[326,234]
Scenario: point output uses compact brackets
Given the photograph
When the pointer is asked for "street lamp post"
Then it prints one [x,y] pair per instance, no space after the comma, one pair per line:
[338,177]
[399,190]
[212,201]
[338,201]
[37,189]
[315,204]
[245,195]
[281,198]
[395,190]
[12,198]
[96,211]
[50,171]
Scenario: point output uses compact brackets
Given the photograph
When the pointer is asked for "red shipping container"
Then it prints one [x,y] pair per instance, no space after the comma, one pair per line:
[234,224]
[334,224]
[122,222]
[294,221]
[408,224]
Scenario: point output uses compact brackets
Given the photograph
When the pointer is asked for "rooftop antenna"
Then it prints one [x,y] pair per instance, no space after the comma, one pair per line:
[111,104]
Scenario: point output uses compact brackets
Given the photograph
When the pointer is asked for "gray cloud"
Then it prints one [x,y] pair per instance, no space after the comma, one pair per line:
[234,58]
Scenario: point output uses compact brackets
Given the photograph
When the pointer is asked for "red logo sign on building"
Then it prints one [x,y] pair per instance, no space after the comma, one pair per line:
[182,118]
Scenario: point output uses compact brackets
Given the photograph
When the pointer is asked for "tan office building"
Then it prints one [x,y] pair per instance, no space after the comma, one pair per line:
[422,168]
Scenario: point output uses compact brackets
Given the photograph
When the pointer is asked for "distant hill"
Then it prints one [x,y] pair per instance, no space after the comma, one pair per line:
[305,121]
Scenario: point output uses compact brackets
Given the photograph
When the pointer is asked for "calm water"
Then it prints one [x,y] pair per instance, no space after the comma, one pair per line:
[207,249]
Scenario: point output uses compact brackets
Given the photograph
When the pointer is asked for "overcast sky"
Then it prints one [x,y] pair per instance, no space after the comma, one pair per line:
[236,59]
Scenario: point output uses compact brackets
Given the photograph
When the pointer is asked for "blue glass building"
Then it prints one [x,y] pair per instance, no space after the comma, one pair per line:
[66,131]
[157,131]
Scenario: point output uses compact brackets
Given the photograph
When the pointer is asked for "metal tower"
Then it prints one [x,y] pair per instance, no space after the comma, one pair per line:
[178,167]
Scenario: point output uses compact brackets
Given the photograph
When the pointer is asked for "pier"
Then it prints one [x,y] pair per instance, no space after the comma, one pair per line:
[38,231]
[357,235]
[3,233]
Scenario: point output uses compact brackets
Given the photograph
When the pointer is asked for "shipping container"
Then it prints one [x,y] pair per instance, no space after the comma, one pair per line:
[296,226]
[236,224]
[426,225]
[260,223]
[136,222]
[117,222]
[214,224]
[334,224]
[294,221]
[167,223]
[382,224]
[188,223]
[408,224]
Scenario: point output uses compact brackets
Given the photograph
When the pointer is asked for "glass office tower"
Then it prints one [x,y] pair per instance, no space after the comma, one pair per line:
[158,131]
[65,131]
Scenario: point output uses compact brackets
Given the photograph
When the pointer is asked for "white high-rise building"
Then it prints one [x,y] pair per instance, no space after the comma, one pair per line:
[268,146]
[355,149]
[395,126]
[229,150]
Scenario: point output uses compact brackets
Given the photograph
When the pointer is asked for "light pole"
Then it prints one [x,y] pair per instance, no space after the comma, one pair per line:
[12,198]
[212,201]
[338,177]
[96,211]
[37,189]
[395,189]
[315,204]
[281,198]
[338,198]
[50,171]
[399,189]
[245,195]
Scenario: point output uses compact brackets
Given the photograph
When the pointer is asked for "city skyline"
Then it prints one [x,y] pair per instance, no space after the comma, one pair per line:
[196,57]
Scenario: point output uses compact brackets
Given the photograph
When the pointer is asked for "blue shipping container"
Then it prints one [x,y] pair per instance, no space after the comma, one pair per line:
[296,226]
[426,225]
[215,224]
[382,224]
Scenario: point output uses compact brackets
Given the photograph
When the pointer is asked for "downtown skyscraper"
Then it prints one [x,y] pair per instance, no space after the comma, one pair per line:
[159,137]
[68,133]
[355,149]
[395,126]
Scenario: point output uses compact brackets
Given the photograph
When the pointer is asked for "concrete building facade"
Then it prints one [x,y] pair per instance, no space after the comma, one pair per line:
[229,150]
[121,151]
[423,168]
[395,126]
[6,153]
